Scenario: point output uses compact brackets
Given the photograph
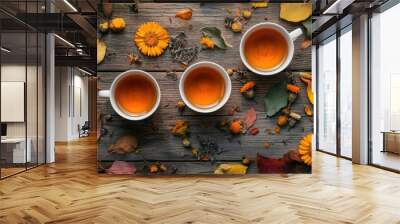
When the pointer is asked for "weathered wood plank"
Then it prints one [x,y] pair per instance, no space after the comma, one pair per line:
[183,167]
[212,14]
[157,143]
[155,140]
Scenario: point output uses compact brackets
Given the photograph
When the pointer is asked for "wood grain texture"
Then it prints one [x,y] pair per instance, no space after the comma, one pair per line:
[156,143]
[209,14]
[71,191]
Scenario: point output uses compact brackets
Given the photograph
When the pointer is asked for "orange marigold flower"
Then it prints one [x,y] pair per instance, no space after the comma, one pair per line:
[206,41]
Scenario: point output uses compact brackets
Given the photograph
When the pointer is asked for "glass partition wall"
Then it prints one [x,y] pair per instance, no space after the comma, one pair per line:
[385,89]
[22,98]
[327,95]
[334,94]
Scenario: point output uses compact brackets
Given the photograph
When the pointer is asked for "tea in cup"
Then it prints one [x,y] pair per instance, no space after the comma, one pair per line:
[134,95]
[205,87]
[268,48]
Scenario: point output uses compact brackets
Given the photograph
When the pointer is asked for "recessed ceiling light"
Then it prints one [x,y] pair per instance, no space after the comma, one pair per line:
[65,41]
[5,50]
[86,72]
[70,5]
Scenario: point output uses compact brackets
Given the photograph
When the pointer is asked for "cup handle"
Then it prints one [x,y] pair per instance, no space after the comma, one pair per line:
[296,33]
[104,93]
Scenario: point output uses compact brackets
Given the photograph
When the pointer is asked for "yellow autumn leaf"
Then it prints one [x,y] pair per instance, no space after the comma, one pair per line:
[234,168]
[295,12]
[256,5]
[101,51]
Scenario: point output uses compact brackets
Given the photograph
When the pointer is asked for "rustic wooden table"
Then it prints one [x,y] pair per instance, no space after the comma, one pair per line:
[155,140]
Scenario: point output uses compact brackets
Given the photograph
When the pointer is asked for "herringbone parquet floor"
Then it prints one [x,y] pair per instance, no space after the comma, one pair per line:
[70,191]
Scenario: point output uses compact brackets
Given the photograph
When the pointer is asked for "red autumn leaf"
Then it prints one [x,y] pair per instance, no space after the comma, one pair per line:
[251,117]
[121,167]
[270,165]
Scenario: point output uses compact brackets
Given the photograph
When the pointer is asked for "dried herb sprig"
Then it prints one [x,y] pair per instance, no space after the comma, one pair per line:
[179,52]
[209,148]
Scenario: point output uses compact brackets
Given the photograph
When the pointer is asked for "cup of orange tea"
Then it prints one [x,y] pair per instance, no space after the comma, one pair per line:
[134,95]
[267,48]
[205,87]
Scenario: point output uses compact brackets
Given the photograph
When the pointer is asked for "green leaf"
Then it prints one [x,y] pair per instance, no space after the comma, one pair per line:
[307,28]
[216,36]
[276,98]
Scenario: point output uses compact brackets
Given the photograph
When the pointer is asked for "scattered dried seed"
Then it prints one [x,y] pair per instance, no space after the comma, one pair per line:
[254,131]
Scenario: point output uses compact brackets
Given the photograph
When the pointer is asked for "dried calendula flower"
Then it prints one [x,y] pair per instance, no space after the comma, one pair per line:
[247,13]
[256,5]
[153,168]
[185,14]
[236,127]
[195,152]
[204,157]
[215,34]
[103,27]
[247,86]
[277,130]
[293,88]
[186,143]
[308,110]
[133,58]
[247,90]
[180,105]
[306,43]
[151,39]
[180,128]
[246,160]
[163,168]
[207,42]
[282,120]
[117,24]
[230,71]
[236,27]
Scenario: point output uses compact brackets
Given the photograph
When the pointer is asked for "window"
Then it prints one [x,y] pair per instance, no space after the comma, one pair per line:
[327,96]
[385,89]
[346,92]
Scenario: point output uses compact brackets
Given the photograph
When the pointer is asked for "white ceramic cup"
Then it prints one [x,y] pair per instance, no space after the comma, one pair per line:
[221,71]
[289,37]
[111,95]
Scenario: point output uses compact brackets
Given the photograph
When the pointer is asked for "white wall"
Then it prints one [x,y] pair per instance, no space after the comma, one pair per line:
[71,93]
[33,127]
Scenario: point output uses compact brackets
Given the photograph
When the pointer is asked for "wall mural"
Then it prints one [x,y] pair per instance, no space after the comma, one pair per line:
[213,88]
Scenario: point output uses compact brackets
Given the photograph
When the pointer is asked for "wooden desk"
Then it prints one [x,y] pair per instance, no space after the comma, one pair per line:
[19,155]
[391,141]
